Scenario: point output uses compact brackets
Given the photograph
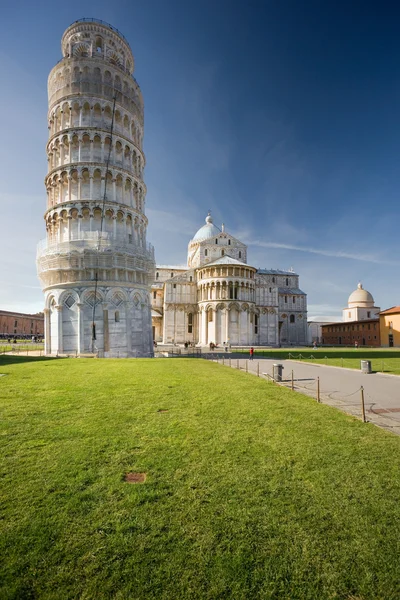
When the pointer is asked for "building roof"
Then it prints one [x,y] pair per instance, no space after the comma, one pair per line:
[172,267]
[275,272]
[8,313]
[291,291]
[226,260]
[360,297]
[391,311]
[209,230]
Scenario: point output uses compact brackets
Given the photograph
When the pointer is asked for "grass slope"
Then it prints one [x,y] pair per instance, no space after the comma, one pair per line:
[252,491]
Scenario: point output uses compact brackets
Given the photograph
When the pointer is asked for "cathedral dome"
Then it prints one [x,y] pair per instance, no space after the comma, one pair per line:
[209,230]
[360,297]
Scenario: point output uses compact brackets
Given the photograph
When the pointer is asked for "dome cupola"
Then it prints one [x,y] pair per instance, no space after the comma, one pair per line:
[360,297]
[209,230]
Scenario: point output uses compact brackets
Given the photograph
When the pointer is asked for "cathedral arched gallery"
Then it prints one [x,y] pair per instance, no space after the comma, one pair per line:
[219,298]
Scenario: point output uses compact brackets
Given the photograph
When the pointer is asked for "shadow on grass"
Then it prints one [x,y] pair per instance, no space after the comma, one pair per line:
[10,359]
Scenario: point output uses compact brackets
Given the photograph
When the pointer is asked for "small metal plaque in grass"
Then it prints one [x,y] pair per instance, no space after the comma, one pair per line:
[135,477]
[161,410]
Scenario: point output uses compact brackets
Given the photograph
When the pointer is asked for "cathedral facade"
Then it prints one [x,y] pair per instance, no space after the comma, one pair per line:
[219,298]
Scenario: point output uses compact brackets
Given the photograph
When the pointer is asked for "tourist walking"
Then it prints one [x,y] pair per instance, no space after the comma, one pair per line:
[251,353]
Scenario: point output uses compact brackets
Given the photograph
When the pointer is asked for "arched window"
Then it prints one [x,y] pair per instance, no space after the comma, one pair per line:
[216,241]
[287,281]
[222,252]
[229,242]
[273,280]
[205,252]
[292,318]
[157,275]
[117,316]
[240,254]
[190,322]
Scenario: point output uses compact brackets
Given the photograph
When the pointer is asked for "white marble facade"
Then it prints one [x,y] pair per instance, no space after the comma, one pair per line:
[95,265]
[219,298]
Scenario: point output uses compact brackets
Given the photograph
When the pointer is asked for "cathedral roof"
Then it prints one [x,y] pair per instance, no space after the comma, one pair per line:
[275,272]
[209,230]
[291,291]
[360,297]
[226,260]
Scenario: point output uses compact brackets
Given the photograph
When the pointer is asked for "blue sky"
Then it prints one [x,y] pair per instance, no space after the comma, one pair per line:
[280,117]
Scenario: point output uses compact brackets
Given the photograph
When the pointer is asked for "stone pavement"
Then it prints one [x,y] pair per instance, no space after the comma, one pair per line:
[339,387]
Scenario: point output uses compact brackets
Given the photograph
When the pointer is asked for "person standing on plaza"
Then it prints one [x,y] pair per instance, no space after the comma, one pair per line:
[251,353]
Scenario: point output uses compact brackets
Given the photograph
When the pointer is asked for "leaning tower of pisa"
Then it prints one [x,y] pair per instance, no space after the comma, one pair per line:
[95,265]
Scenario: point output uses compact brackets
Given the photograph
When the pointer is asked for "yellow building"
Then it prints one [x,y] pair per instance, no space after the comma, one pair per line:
[389,322]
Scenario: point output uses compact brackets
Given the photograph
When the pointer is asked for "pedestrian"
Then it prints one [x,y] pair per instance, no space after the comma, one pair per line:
[251,353]
[356,345]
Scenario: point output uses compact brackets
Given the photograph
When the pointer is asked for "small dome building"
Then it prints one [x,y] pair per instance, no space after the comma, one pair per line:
[360,306]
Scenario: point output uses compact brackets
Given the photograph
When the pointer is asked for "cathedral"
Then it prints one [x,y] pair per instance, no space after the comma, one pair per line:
[218,298]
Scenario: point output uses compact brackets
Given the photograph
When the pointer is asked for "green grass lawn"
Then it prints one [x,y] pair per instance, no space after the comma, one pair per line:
[252,491]
[382,359]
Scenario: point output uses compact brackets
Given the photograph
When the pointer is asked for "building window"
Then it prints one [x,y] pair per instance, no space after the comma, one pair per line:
[15,323]
[240,254]
[210,316]
[172,274]
[273,280]
[117,316]
[222,252]
[229,242]
[285,298]
[190,279]
[205,252]
[287,281]
[154,295]
[190,322]
[270,290]
[294,299]
[368,315]
[255,323]
[292,318]
[174,286]
[216,241]
[157,275]
[349,314]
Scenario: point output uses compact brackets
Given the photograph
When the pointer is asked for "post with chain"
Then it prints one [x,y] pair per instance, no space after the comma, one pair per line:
[247,366]
[362,405]
[230,363]
[237,363]
[318,391]
[223,360]
[258,369]
[292,382]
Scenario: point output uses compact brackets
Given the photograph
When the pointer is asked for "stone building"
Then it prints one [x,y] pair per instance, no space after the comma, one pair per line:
[219,298]
[21,324]
[360,322]
[95,265]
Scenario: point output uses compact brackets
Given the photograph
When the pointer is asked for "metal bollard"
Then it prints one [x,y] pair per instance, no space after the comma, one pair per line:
[363,405]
